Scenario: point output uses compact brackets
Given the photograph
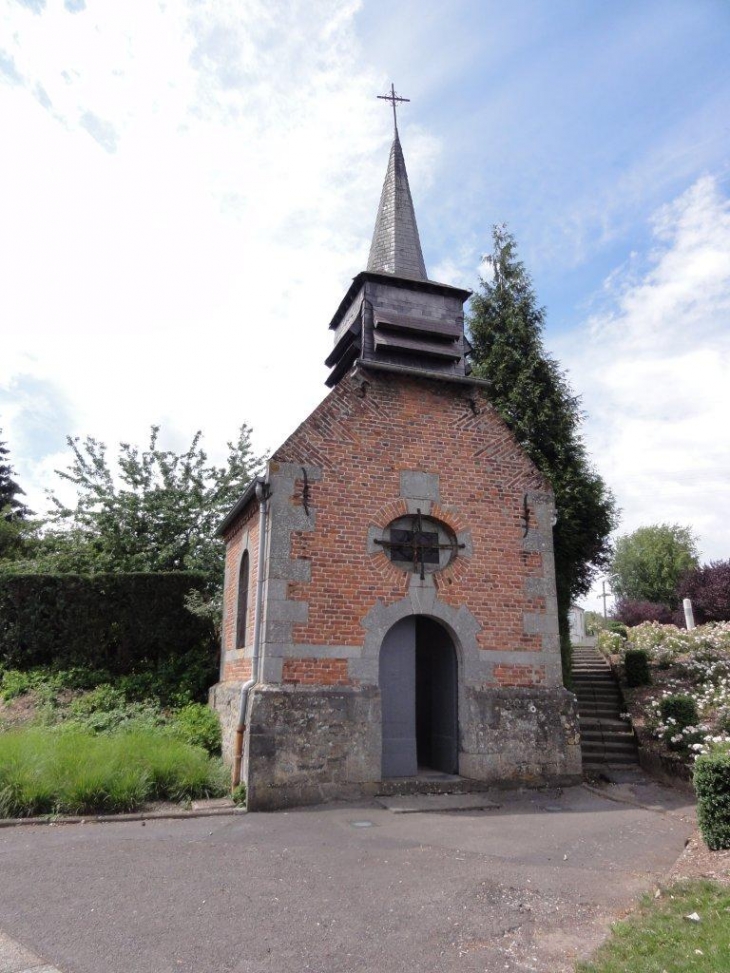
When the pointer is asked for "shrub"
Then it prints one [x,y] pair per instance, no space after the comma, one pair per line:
[612,625]
[199,725]
[680,708]
[636,667]
[239,795]
[610,643]
[106,708]
[712,785]
[633,612]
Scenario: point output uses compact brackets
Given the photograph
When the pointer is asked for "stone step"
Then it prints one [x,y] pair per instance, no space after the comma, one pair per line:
[588,722]
[431,783]
[601,736]
[611,757]
[590,747]
[598,708]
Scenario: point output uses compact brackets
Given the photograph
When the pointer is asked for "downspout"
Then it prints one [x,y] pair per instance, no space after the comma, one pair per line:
[262,495]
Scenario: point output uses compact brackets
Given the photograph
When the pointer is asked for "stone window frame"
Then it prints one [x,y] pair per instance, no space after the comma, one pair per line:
[445,534]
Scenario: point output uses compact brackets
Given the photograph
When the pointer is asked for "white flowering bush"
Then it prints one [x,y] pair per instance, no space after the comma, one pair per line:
[702,665]
[610,643]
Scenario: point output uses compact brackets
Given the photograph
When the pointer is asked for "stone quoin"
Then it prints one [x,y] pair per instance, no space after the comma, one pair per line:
[403,617]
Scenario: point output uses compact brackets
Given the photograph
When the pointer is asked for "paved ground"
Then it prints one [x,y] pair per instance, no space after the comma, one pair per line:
[526,886]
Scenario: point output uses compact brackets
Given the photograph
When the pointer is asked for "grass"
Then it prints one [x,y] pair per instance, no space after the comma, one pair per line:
[71,770]
[658,938]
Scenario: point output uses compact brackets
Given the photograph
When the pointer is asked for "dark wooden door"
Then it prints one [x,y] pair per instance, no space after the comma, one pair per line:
[436,698]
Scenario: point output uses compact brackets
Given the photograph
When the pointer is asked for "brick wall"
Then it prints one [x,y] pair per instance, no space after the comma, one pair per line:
[362,441]
[316,672]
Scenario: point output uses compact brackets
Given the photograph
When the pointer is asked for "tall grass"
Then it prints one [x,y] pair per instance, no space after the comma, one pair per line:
[51,770]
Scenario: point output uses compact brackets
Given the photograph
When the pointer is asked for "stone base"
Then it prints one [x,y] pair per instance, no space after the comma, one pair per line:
[309,745]
[521,736]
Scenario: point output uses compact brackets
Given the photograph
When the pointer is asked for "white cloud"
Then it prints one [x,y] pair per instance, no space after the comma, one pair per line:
[181,264]
[653,372]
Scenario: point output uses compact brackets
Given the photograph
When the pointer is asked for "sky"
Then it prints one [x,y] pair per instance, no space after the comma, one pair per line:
[187,188]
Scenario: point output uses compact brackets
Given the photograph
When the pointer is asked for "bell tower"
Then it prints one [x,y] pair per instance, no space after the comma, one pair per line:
[393,317]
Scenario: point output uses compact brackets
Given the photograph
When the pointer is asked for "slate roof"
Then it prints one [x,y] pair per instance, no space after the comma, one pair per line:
[396,247]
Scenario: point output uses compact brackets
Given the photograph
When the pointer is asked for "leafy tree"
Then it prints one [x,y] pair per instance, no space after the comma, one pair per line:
[632,612]
[10,506]
[648,564]
[532,395]
[157,511]
[709,588]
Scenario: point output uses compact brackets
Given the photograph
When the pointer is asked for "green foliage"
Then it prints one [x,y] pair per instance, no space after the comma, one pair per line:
[154,511]
[595,623]
[106,708]
[122,623]
[618,627]
[11,507]
[533,397]
[239,795]
[712,785]
[47,771]
[658,938]
[198,725]
[636,667]
[679,707]
[649,564]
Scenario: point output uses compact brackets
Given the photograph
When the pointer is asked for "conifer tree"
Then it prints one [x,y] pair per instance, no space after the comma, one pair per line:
[531,393]
[11,508]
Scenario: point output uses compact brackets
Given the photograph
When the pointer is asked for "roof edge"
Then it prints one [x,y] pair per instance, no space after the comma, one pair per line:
[376,366]
[239,506]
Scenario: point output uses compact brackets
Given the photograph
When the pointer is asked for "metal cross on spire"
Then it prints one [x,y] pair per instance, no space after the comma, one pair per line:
[393,98]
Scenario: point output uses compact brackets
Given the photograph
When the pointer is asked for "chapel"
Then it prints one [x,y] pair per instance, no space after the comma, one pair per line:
[390,619]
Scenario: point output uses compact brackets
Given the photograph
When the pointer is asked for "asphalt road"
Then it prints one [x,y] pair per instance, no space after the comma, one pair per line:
[528,886]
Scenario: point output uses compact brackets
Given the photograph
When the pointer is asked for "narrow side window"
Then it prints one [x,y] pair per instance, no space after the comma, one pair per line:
[242,602]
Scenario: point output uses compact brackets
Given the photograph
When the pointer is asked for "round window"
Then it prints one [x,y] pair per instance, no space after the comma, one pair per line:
[420,544]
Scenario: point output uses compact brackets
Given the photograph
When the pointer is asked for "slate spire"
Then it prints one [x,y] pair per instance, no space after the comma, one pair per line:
[396,247]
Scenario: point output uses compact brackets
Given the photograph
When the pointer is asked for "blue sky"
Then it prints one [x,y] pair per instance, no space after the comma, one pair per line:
[188,187]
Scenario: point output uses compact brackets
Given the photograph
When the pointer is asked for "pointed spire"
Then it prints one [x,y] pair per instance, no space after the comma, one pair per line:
[396,247]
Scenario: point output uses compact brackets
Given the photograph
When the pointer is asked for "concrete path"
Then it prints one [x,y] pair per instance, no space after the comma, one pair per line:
[526,886]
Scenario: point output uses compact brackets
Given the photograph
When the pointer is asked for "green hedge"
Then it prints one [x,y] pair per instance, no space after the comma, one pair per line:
[636,667]
[119,622]
[712,785]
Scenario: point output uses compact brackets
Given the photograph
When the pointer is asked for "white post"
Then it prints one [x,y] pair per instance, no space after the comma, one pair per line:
[689,617]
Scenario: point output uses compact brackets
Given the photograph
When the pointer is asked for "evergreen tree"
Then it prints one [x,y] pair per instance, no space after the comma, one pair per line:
[11,507]
[531,393]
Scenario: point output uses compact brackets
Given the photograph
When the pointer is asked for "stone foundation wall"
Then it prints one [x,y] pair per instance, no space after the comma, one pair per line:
[225,698]
[307,745]
[528,736]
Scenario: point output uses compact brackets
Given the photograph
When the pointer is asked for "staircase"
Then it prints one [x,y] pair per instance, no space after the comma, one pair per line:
[606,739]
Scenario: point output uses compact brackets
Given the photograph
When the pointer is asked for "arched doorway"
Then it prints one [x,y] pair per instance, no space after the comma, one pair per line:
[418,689]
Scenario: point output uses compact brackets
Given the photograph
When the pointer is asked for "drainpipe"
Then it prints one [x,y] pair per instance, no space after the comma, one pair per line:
[262,495]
